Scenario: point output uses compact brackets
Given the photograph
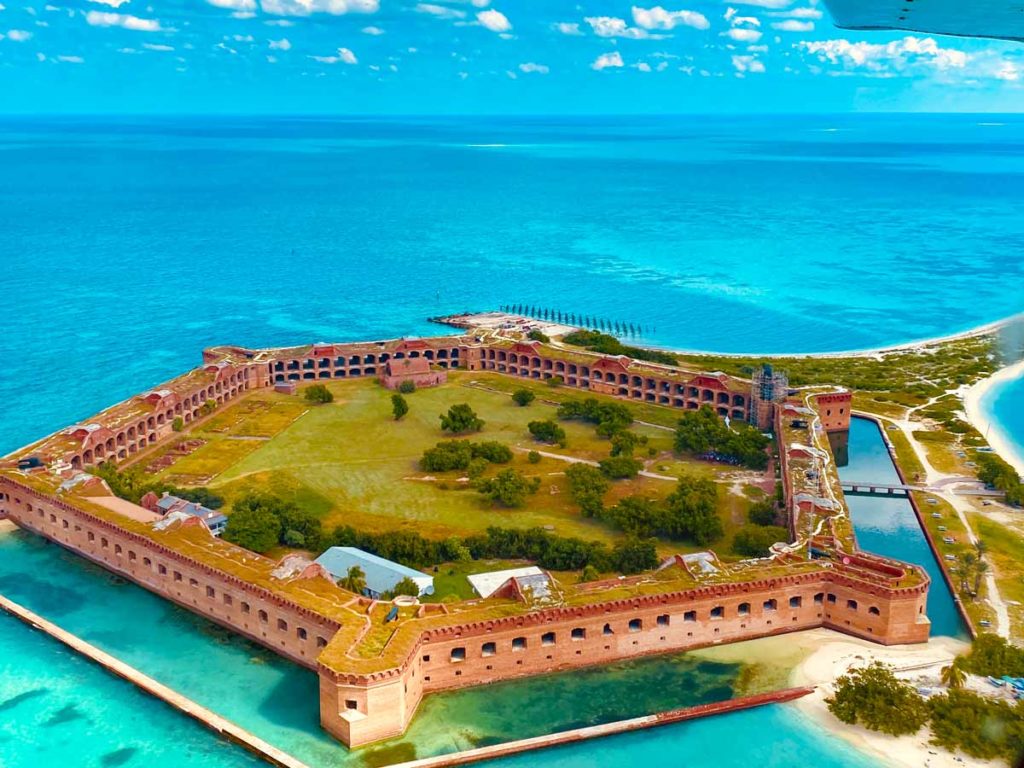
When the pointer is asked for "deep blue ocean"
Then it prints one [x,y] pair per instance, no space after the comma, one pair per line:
[128,245]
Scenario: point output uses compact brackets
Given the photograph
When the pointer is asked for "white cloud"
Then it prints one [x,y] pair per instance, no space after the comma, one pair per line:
[743,35]
[751,21]
[441,11]
[496,21]
[18,35]
[658,18]
[71,59]
[793,25]
[308,7]
[606,60]
[747,64]
[237,5]
[111,3]
[568,28]
[798,13]
[885,58]
[243,15]
[157,47]
[344,56]
[284,44]
[372,31]
[764,3]
[104,19]
[1007,71]
[279,23]
[643,66]
[609,26]
[529,66]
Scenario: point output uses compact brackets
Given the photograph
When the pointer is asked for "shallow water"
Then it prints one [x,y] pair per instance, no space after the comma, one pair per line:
[127,247]
[1003,406]
[888,526]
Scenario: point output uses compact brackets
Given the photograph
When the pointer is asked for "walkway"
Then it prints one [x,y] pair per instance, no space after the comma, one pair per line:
[942,484]
[211,720]
[576,460]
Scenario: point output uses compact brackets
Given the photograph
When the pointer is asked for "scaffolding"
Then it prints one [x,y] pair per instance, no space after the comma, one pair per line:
[769,388]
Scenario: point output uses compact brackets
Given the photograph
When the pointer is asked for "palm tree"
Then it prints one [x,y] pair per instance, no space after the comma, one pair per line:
[954,676]
[980,569]
[355,580]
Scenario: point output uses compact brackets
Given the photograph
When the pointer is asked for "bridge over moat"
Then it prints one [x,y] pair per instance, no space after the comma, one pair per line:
[902,490]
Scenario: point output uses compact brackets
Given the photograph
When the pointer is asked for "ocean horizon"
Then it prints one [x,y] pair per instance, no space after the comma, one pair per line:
[132,245]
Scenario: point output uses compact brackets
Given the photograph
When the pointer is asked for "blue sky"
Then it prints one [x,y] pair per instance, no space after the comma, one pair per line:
[482,56]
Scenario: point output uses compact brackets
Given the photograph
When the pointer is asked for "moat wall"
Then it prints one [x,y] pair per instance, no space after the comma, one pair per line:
[359,709]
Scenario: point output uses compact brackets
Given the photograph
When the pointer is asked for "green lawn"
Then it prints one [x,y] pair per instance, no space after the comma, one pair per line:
[351,463]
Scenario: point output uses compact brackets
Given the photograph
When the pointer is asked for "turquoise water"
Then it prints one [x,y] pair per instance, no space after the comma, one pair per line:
[888,526]
[57,709]
[278,701]
[1003,406]
[128,246]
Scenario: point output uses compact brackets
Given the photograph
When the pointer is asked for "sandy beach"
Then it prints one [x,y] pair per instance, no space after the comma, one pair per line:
[979,419]
[836,654]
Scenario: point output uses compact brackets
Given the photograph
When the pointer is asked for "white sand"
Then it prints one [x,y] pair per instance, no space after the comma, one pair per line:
[836,654]
[980,420]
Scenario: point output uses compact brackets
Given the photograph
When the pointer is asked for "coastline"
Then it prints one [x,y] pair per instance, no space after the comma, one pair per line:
[834,655]
[983,421]
[970,333]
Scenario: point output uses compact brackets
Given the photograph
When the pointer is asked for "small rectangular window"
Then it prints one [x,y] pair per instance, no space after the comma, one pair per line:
[548,638]
[518,643]
[635,625]
[458,654]
[579,633]
[690,616]
[488,649]
[663,620]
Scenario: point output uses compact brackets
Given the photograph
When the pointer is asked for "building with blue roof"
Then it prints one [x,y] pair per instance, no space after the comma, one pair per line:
[381,575]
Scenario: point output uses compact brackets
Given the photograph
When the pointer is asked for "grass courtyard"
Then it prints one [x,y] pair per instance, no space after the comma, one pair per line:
[350,463]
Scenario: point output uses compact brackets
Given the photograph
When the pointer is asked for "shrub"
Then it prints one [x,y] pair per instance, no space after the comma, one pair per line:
[523,397]
[509,488]
[610,418]
[547,432]
[178,424]
[756,540]
[492,451]
[762,512]
[533,457]
[476,468]
[407,387]
[875,698]
[319,394]
[450,455]
[703,432]
[609,345]
[587,487]
[983,728]
[554,381]
[461,418]
[405,587]
[399,406]
[537,335]
[620,467]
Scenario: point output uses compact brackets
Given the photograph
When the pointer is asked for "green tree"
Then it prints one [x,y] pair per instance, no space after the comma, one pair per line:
[953,675]
[509,488]
[537,335]
[756,540]
[355,580]
[994,655]
[981,727]
[523,397]
[875,698]
[587,487]
[318,394]
[253,526]
[461,418]
[762,512]
[692,510]
[637,515]
[589,573]
[635,555]
[476,468]
[620,467]
[406,587]
[624,442]
[533,457]
[209,407]
[547,431]
[399,406]
[407,387]
[178,424]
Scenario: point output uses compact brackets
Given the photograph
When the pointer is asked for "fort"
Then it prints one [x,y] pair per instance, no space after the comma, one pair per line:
[374,672]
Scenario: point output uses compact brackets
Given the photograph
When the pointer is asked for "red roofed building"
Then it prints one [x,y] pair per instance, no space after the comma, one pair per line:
[414,369]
